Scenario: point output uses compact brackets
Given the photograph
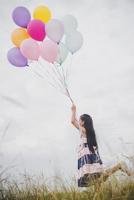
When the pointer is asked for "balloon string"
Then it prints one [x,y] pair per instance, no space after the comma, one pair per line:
[60,77]
[64,78]
[51,75]
[59,74]
[69,95]
[69,66]
[39,75]
[66,86]
[55,78]
[63,81]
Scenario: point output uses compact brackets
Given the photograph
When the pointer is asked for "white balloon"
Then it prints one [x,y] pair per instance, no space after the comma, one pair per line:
[70,24]
[55,30]
[62,53]
[74,41]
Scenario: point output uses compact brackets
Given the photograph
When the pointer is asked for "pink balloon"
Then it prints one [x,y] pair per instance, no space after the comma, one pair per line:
[36,29]
[49,51]
[30,49]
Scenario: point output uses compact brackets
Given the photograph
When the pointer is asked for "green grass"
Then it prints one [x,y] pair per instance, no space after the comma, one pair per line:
[117,187]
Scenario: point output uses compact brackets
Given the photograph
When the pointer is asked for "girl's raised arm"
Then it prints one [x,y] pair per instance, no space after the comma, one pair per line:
[74,120]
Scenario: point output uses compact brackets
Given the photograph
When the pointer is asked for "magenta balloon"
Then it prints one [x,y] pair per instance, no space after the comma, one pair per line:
[36,29]
[15,57]
[21,16]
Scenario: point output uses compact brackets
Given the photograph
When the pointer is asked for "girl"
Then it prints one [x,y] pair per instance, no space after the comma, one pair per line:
[90,166]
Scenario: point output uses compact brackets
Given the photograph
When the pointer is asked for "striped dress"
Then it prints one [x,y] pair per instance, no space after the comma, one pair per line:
[90,165]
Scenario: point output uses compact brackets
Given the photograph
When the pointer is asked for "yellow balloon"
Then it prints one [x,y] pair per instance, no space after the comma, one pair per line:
[43,13]
[18,35]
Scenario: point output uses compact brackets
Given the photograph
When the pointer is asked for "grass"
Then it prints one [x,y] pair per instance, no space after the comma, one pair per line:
[118,187]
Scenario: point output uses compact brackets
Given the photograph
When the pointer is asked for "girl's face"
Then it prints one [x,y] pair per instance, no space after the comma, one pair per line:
[81,122]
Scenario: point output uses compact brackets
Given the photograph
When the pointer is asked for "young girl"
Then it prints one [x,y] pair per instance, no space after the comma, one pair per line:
[90,166]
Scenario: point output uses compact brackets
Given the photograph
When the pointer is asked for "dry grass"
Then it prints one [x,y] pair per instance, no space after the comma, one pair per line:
[38,188]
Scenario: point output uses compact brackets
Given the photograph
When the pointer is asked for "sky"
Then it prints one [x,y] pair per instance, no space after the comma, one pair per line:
[35,129]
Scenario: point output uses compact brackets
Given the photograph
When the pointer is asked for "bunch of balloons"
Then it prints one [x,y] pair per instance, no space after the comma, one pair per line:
[42,36]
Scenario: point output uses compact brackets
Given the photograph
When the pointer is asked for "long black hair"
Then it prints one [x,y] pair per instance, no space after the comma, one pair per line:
[90,132]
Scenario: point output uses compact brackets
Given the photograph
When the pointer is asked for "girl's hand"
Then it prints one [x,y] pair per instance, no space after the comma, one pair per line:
[74,120]
[73,108]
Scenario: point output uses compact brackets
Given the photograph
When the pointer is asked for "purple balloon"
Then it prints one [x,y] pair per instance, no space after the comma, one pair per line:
[21,16]
[16,58]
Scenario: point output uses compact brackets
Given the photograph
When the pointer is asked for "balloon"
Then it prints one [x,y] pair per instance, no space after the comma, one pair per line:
[49,50]
[70,24]
[62,53]
[21,16]
[30,49]
[18,35]
[16,58]
[36,29]
[54,30]
[43,13]
[74,41]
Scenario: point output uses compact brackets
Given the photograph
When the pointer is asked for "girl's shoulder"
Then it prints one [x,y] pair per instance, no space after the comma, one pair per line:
[82,132]
[82,129]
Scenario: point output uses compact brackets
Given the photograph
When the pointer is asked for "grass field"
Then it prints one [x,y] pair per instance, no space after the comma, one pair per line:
[118,187]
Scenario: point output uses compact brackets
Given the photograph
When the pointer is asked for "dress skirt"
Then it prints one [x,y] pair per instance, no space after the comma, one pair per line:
[90,166]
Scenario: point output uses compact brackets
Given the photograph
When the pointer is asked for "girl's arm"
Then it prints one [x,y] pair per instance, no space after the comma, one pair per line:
[74,120]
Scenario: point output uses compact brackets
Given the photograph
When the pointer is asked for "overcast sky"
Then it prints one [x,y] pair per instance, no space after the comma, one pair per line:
[36,118]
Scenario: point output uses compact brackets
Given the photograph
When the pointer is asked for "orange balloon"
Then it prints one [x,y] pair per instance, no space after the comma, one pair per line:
[18,35]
